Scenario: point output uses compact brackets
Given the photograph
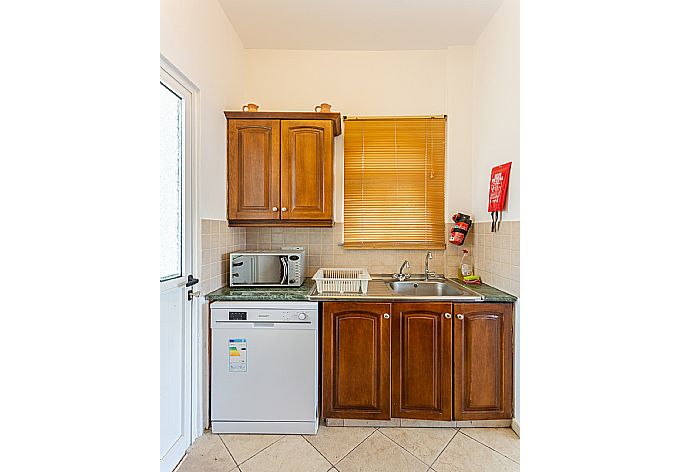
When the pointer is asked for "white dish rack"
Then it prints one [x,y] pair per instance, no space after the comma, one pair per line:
[342,280]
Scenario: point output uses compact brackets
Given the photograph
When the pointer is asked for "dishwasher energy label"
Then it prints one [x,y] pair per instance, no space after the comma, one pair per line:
[237,354]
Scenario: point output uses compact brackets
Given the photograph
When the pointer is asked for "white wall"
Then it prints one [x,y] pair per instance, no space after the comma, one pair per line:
[197,38]
[459,146]
[496,109]
[496,125]
[373,83]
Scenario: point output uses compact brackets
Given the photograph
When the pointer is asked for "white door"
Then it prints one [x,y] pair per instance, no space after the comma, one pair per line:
[175,268]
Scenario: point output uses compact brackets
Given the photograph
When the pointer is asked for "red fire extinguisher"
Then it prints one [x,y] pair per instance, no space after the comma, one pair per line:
[459,231]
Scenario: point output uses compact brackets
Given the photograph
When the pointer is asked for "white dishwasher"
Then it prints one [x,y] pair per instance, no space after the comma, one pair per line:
[264,367]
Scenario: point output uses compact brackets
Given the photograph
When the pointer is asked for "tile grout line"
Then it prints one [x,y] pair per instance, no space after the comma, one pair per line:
[309,442]
[489,447]
[228,449]
[413,454]
[359,444]
[257,453]
[446,447]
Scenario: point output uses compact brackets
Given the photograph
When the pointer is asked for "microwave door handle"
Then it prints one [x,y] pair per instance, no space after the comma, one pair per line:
[283,270]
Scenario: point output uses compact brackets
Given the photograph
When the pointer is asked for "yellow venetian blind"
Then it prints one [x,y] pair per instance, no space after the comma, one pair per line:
[394,182]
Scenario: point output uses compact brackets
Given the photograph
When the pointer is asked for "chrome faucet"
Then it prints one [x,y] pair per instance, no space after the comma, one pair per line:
[426,266]
[401,276]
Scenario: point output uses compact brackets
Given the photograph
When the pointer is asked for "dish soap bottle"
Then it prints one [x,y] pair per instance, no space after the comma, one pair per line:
[466,264]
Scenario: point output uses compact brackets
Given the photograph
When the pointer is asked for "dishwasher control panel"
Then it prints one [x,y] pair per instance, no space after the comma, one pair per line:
[266,315]
[292,315]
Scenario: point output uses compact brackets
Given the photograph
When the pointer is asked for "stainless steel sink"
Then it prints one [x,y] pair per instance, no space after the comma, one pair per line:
[383,287]
[430,288]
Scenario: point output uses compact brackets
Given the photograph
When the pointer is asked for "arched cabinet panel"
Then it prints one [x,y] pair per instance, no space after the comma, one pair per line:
[356,360]
[483,351]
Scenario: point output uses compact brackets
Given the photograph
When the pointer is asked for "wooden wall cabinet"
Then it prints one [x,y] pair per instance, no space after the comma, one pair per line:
[483,352]
[416,360]
[280,168]
[253,169]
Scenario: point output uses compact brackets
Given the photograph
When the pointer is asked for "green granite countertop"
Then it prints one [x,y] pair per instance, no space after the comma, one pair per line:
[262,293]
[491,294]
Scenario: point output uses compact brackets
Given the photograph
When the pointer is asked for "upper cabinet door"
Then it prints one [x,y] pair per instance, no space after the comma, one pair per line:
[483,361]
[422,361]
[306,170]
[253,169]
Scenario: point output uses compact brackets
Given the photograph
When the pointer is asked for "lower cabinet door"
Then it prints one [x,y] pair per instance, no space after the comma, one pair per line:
[422,361]
[356,360]
[483,361]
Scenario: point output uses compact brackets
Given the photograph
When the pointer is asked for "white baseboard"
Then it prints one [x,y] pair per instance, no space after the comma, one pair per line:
[515,426]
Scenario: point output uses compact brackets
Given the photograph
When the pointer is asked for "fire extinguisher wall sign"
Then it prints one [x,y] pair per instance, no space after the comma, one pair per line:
[498,188]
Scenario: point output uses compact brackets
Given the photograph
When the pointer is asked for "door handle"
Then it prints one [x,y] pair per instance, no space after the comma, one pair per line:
[283,209]
[264,324]
[191,295]
[459,316]
[191,281]
[447,315]
[386,315]
[274,208]
[283,270]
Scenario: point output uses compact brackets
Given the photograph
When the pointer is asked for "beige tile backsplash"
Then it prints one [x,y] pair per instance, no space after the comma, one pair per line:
[217,241]
[323,250]
[496,255]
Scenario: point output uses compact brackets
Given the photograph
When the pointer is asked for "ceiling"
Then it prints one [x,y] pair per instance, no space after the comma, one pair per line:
[371,25]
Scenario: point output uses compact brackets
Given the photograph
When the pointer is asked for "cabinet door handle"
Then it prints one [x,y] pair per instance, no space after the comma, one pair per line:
[283,209]
[386,315]
[459,316]
[447,315]
[274,208]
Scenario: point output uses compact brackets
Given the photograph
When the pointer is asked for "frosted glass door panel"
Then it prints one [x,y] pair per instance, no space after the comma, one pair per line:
[171,146]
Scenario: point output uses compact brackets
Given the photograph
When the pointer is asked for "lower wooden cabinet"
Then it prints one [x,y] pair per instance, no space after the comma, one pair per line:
[417,360]
[356,360]
[422,361]
[483,352]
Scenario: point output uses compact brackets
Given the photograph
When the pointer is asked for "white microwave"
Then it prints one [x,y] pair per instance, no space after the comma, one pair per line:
[269,268]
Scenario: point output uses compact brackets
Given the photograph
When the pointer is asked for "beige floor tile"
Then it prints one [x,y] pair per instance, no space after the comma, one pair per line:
[504,440]
[290,454]
[380,454]
[244,446]
[425,443]
[208,454]
[464,454]
[336,442]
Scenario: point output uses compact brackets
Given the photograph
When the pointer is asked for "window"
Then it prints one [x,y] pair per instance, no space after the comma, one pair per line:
[395,182]
[171,146]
